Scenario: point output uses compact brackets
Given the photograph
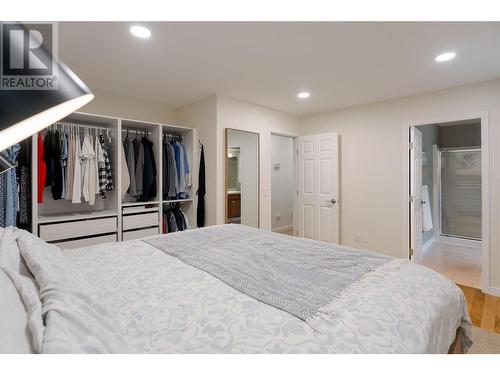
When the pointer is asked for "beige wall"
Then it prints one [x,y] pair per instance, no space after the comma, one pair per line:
[372,170]
[203,116]
[108,104]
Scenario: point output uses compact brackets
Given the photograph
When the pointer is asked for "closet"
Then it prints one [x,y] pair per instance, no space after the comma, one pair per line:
[126,212]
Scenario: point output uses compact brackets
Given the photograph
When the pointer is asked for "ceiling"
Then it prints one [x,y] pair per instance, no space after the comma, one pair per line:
[341,64]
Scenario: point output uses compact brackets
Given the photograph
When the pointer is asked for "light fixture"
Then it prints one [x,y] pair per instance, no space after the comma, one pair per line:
[140,31]
[445,56]
[303,95]
[26,112]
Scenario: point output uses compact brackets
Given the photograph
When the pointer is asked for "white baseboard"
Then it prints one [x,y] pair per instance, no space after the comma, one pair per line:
[282,229]
[491,290]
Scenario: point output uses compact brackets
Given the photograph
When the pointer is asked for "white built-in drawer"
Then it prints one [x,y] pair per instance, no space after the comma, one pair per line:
[86,241]
[72,229]
[141,233]
[140,221]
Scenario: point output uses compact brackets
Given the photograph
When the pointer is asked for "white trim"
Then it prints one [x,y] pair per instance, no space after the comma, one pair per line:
[491,290]
[485,181]
[436,191]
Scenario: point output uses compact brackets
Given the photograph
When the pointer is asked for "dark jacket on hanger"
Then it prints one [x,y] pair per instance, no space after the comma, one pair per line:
[149,174]
[57,179]
[200,211]
[164,154]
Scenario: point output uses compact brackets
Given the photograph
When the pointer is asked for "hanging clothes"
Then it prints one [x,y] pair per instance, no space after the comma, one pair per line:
[88,169]
[57,169]
[70,167]
[175,220]
[42,168]
[48,152]
[181,172]
[200,210]
[107,164]
[3,194]
[77,172]
[149,173]
[166,171]
[125,174]
[187,167]
[24,185]
[64,160]
[11,188]
[128,148]
[139,166]
[173,180]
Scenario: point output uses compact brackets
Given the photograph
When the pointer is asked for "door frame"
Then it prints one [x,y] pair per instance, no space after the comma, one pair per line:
[485,187]
[226,144]
[295,175]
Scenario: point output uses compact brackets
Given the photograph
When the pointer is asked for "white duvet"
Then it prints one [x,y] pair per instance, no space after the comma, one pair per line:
[131,297]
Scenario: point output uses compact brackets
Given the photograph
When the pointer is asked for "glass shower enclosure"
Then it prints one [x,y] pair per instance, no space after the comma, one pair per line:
[460,193]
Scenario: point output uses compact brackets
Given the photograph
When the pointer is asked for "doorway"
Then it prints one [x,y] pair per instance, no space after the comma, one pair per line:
[283,184]
[447,218]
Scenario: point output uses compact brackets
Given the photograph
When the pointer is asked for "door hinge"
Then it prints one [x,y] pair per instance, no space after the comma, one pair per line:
[411,253]
[410,145]
[410,198]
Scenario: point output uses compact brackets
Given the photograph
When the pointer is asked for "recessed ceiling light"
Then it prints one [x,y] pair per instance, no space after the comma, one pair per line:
[303,95]
[445,56]
[140,31]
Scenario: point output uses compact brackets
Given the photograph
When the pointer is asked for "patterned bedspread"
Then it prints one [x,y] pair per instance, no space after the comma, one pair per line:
[132,297]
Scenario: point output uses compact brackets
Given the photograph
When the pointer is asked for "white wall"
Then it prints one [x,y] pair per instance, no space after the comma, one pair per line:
[248,144]
[203,116]
[372,171]
[238,114]
[108,104]
[282,182]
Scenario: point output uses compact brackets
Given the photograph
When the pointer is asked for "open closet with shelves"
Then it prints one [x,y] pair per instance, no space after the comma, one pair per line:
[127,210]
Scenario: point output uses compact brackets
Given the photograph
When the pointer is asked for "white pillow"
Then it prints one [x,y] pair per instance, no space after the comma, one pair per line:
[14,334]
[14,266]
[10,256]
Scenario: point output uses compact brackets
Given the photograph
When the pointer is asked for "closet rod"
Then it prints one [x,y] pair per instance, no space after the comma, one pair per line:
[81,126]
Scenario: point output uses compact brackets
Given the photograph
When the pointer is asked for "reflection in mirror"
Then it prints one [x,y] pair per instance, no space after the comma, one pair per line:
[242,177]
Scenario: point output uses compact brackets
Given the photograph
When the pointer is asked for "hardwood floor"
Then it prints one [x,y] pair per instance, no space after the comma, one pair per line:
[460,264]
[484,309]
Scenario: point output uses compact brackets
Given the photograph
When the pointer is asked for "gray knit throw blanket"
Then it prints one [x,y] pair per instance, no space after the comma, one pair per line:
[293,274]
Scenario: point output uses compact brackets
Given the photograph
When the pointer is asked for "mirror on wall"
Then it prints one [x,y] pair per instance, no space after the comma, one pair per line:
[242,177]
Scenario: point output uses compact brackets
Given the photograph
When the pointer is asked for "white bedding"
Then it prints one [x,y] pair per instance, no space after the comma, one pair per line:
[131,297]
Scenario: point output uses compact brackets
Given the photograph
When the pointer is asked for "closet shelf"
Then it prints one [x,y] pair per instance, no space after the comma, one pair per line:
[131,204]
[54,218]
[178,200]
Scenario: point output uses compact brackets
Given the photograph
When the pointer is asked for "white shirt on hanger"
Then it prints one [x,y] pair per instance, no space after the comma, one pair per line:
[77,172]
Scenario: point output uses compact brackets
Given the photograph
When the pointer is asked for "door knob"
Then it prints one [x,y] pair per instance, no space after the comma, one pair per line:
[332,201]
[422,202]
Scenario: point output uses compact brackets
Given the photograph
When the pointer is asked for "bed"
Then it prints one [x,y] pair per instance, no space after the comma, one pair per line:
[223,289]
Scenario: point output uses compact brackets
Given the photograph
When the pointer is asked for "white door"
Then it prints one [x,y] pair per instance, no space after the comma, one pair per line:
[416,207]
[318,187]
